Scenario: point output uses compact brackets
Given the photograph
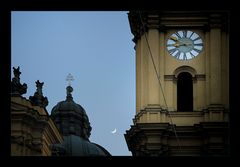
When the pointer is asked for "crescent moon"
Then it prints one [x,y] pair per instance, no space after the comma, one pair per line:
[114,131]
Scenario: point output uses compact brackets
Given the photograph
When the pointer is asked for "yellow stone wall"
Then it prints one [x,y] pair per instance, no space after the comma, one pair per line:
[212,63]
[31,125]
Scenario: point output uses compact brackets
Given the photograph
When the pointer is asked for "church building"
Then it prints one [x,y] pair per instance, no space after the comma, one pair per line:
[34,132]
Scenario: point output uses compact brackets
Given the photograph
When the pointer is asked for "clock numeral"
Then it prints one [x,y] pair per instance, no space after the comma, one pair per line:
[171,51]
[185,34]
[169,45]
[177,55]
[191,35]
[178,35]
[198,44]
[184,56]
[196,50]
[192,55]
[197,38]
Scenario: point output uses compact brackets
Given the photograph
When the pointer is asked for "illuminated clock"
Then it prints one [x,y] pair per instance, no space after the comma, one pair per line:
[184,45]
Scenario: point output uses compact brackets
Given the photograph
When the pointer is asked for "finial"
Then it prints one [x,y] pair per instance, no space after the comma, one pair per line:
[69,79]
[69,88]
[69,95]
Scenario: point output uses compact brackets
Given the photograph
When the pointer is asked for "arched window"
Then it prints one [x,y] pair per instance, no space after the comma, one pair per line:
[184,92]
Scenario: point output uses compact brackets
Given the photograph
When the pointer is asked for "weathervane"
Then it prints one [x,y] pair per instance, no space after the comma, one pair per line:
[69,79]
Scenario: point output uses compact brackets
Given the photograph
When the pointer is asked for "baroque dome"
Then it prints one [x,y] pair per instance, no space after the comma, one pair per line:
[72,121]
[67,105]
[80,147]
[71,118]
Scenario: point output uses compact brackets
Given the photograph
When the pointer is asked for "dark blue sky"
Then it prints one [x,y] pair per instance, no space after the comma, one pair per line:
[97,49]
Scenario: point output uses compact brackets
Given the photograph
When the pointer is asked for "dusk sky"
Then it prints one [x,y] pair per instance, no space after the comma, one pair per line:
[97,49]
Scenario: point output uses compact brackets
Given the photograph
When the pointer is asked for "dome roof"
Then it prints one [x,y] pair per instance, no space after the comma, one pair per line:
[81,147]
[67,105]
[73,123]
[71,117]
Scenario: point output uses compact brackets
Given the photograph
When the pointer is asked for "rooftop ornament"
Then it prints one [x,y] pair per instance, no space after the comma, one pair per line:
[16,87]
[38,99]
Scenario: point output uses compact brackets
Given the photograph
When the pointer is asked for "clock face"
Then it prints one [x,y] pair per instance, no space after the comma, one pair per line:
[184,45]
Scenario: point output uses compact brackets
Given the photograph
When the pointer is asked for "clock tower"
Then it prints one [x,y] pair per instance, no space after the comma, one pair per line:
[182,83]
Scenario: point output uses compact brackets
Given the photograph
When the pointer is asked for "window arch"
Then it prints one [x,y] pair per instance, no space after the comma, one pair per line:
[188,69]
[184,91]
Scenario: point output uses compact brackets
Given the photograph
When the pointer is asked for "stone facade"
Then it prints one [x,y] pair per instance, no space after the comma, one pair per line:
[32,130]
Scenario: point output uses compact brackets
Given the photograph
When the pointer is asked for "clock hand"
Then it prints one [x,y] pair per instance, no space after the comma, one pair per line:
[177,44]
[174,38]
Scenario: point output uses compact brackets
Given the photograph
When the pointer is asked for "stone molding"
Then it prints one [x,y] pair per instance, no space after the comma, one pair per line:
[163,20]
[158,139]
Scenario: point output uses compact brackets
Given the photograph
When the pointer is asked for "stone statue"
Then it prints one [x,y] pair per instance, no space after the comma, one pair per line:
[16,86]
[38,98]
[16,73]
[39,86]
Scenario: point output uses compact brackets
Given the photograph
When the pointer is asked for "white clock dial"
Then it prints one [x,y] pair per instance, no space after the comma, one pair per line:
[184,45]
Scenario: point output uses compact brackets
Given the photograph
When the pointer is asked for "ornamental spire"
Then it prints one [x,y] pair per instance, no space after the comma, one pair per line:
[69,88]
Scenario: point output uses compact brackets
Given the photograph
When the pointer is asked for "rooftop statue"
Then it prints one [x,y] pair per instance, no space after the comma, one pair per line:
[38,99]
[16,86]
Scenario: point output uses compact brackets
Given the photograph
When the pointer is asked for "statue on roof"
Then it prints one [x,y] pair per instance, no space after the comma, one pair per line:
[38,99]
[39,86]
[16,86]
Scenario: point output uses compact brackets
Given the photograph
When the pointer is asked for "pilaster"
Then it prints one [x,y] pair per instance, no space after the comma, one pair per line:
[153,53]
[215,66]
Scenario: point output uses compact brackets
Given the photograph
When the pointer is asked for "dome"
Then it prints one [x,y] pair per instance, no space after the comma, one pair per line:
[73,123]
[81,147]
[67,105]
[71,118]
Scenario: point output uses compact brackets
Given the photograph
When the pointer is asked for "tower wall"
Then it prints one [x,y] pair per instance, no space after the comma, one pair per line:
[209,70]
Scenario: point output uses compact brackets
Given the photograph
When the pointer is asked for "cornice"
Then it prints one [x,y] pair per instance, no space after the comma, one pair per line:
[164,20]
